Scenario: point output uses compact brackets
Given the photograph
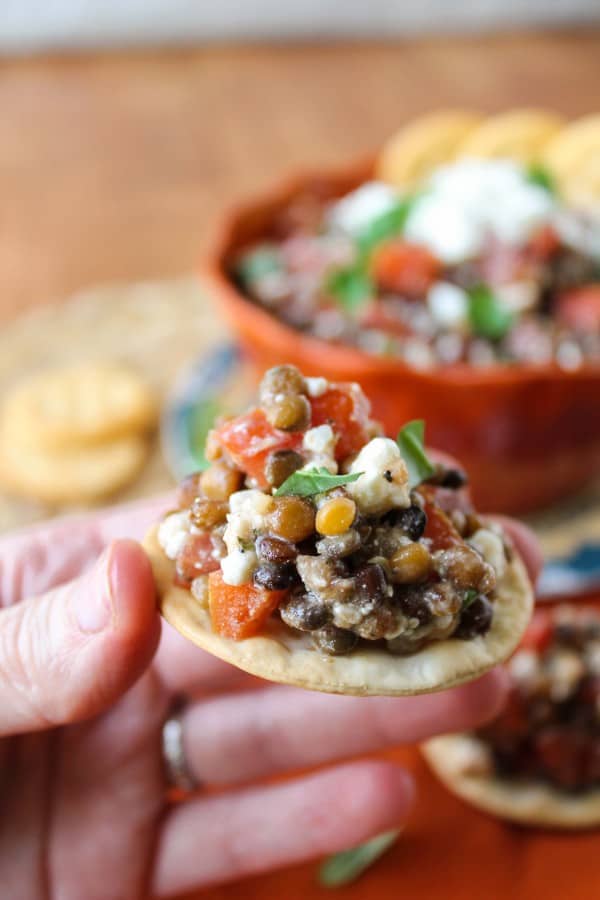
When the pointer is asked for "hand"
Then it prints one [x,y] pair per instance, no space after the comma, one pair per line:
[84,692]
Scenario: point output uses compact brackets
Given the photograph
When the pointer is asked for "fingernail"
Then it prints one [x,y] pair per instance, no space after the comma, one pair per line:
[93,601]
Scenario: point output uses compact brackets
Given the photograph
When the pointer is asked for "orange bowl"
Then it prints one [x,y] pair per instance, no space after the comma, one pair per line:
[527,434]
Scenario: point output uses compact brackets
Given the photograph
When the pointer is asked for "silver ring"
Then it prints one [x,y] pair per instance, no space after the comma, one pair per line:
[176,766]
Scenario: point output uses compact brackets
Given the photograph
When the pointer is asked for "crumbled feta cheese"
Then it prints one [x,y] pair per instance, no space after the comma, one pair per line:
[319,440]
[468,200]
[173,532]
[247,511]
[356,210]
[448,304]
[524,666]
[238,566]
[518,296]
[490,545]
[316,387]
[384,482]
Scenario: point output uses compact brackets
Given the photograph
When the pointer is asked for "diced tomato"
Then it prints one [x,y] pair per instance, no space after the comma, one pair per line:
[249,439]
[539,632]
[239,611]
[544,243]
[579,309]
[409,269]
[346,409]
[376,317]
[439,528]
[196,557]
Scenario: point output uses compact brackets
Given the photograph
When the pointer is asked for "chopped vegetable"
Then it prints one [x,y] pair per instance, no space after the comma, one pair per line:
[307,482]
[347,866]
[439,528]
[250,439]
[239,611]
[488,316]
[579,308]
[410,440]
[347,411]
[408,269]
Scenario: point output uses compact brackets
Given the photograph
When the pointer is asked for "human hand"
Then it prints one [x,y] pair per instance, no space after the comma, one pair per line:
[86,683]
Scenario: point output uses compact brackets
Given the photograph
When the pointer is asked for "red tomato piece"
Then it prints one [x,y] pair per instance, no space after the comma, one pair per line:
[409,269]
[540,630]
[239,611]
[249,439]
[439,529]
[346,409]
[579,309]
[376,317]
[196,557]
[544,243]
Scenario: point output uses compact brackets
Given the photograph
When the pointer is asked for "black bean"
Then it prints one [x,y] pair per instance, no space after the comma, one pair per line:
[454,479]
[411,520]
[335,641]
[275,550]
[371,583]
[413,603]
[475,618]
[280,465]
[275,576]
[304,612]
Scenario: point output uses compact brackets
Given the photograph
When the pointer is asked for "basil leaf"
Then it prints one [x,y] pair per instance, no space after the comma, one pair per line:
[257,263]
[537,174]
[351,287]
[489,318]
[411,442]
[347,866]
[470,595]
[388,225]
[313,481]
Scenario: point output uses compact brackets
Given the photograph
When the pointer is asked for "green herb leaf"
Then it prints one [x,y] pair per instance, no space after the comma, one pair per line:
[470,595]
[411,442]
[313,481]
[347,866]
[538,174]
[352,287]
[489,318]
[260,262]
[388,225]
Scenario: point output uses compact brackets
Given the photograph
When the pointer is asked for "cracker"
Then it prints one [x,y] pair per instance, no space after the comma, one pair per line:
[422,145]
[527,802]
[573,158]
[78,406]
[288,657]
[520,134]
[75,475]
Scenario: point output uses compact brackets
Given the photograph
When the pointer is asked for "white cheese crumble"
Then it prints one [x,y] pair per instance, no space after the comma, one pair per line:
[316,387]
[319,440]
[448,304]
[354,212]
[247,511]
[467,201]
[238,567]
[173,532]
[490,545]
[384,482]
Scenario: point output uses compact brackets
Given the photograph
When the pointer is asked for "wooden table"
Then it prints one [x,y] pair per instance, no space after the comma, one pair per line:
[114,166]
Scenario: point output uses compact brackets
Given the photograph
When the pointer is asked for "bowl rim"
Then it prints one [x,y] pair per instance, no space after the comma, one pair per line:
[214,274]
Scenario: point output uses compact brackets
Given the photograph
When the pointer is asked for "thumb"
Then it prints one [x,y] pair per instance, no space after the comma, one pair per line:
[72,652]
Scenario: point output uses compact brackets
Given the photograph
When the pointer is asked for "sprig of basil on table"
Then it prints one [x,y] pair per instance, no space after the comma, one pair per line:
[307,482]
[488,316]
[411,440]
[347,866]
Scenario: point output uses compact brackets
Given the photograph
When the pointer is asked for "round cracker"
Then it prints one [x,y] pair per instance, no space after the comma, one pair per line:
[527,802]
[520,134]
[289,657]
[422,145]
[573,158]
[70,476]
[78,406]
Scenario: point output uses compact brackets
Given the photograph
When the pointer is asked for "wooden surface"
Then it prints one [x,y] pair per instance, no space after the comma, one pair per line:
[113,166]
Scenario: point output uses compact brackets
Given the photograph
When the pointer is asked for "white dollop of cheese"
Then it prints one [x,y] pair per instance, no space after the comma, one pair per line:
[491,547]
[238,566]
[173,532]
[384,482]
[319,440]
[448,304]
[466,201]
[354,212]
[316,387]
[247,511]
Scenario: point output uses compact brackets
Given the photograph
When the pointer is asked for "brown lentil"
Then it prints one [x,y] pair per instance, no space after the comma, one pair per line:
[410,563]
[275,550]
[288,412]
[334,641]
[304,612]
[213,449]
[219,481]
[281,380]
[188,490]
[465,568]
[292,519]
[206,514]
[281,464]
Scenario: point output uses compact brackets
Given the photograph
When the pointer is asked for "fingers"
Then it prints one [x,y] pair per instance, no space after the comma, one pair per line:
[37,559]
[526,543]
[184,668]
[218,839]
[71,652]
[241,737]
